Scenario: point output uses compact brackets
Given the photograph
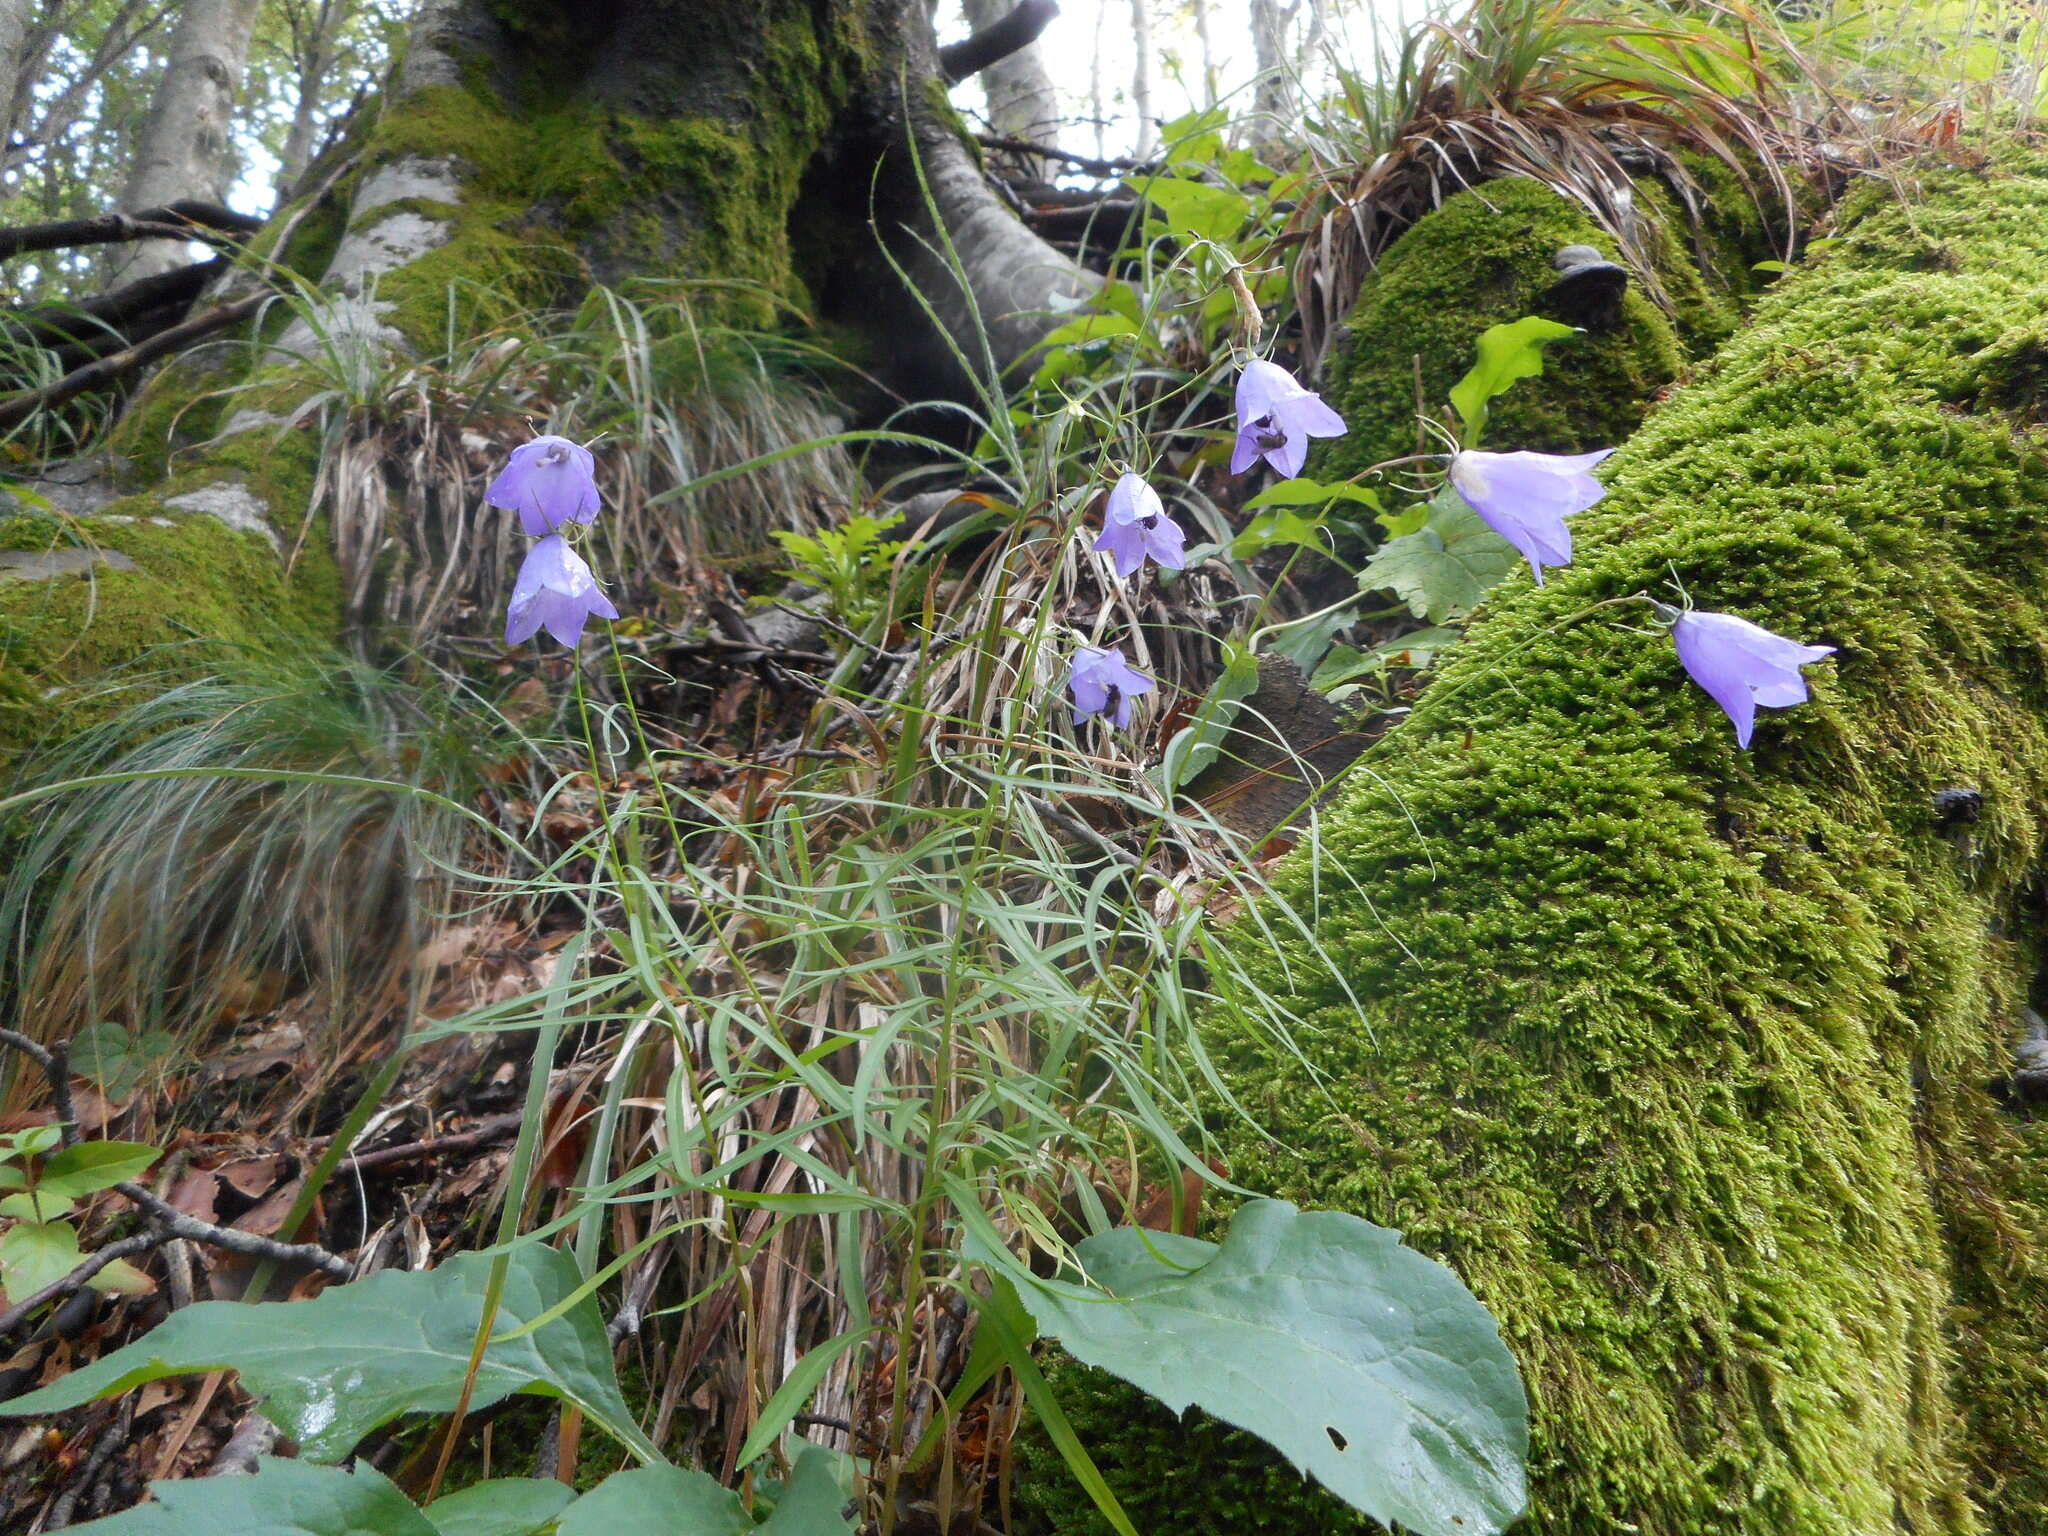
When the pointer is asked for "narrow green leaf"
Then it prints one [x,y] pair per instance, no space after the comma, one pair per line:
[796,1389]
[1311,493]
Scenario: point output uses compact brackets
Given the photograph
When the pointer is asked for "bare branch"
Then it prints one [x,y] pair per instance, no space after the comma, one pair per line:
[15,409]
[190,220]
[1020,29]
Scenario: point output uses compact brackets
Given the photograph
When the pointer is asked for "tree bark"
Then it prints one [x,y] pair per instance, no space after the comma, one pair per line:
[1141,75]
[186,151]
[321,26]
[16,23]
[1022,103]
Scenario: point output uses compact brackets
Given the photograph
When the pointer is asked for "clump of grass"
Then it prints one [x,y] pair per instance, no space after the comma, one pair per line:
[282,825]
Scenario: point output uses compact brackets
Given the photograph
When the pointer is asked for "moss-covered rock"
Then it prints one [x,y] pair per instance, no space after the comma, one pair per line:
[1679,1054]
[1483,258]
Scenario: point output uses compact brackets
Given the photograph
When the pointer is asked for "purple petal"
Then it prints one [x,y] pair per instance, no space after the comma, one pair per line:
[1259,386]
[1166,543]
[548,482]
[554,591]
[1132,501]
[1248,450]
[1304,414]
[1289,457]
[1125,544]
[1098,676]
[1742,665]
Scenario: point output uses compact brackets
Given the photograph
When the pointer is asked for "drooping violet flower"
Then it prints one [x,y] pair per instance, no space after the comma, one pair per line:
[1525,498]
[1275,419]
[548,482]
[555,591]
[1136,525]
[1743,665]
[1102,682]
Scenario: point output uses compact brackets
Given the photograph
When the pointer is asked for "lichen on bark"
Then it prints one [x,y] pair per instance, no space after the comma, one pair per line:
[1679,1054]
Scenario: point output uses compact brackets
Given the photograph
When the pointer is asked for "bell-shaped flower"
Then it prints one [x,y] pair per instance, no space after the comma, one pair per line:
[548,482]
[1275,419]
[1525,498]
[1103,683]
[1743,665]
[556,592]
[1136,525]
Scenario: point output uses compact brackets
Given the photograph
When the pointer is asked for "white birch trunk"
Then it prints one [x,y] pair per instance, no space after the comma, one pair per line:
[1141,74]
[185,150]
[1022,103]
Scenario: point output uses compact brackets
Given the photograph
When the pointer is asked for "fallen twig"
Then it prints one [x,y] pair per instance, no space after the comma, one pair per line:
[15,409]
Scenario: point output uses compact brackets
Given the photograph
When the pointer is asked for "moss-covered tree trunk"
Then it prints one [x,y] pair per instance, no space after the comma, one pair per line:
[519,153]
[1687,1058]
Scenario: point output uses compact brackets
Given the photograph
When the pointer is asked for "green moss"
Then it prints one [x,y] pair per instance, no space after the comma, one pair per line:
[1675,1052]
[1483,258]
[194,579]
[564,185]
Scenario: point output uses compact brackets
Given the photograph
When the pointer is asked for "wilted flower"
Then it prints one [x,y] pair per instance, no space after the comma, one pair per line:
[548,482]
[555,591]
[1525,498]
[1275,419]
[1743,665]
[1102,682]
[1136,525]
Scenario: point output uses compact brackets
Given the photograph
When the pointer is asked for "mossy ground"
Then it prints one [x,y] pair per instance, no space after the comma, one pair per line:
[1677,1053]
[1483,258]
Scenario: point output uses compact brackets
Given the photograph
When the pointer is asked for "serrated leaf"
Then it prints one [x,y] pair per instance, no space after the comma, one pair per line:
[504,1506]
[281,1498]
[356,1357]
[1506,353]
[34,1254]
[91,1166]
[1365,1363]
[1444,568]
[1346,663]
[117,1060]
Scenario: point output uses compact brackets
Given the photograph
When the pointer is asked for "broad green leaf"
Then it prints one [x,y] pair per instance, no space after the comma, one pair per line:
[355,1357]
[1311,493]
[1365,1363]
[813,1502]
[92,1166]
[1196,210]
[504,1506]
[34,1254]
[118,1060]
[1282,527]
[1506,353]
[281,1498]
[1198,743]
[657,1501]
[1444,569]
[34,1205]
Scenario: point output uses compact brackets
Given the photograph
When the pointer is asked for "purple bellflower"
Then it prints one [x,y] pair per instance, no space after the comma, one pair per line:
[1525,498]
[1136,525]
[1103,683]
[555,591]
[1743,665]
[1275,419]
[548,482]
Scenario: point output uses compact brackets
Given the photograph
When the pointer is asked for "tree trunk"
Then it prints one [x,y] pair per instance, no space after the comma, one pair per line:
[1141,75]
[185,150]
[1273,96]
[1022,103]
[314,58]
[16,23]
[736,140]
[1698,1064]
